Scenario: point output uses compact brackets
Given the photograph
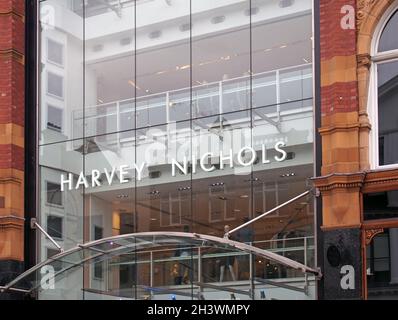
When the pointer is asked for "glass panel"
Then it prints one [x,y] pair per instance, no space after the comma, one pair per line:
[61,72]
[387,74]
[163,62]
[388,40]
[109,198]
[220,57]
[109,67]
[61,205]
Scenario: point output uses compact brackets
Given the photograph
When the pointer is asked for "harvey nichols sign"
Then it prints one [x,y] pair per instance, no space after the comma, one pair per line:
[245,157]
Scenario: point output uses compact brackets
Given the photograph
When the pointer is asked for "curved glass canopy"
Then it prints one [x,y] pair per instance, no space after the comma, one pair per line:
[137,247]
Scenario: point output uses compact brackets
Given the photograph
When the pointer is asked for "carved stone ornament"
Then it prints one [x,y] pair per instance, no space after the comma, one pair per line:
[364,61]
[370,234]
[363,7]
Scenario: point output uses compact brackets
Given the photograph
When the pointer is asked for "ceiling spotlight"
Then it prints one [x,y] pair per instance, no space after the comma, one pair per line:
[252,11]
[98,47]
[125,41]
[184,189]
[218,19]
[185,27]
[155,34]
[285,3]
[218,184]
[288,175]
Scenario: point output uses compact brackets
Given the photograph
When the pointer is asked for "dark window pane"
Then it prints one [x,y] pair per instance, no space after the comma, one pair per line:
[55,52]
[389,39]
[388,112]
[54,226]
[382,205]
[54,194]
[54,118]
[55,84]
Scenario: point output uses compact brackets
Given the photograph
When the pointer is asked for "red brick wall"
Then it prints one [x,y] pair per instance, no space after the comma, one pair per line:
[339,84]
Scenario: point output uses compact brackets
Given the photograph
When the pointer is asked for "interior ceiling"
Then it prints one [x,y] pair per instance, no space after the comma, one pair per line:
[286,43]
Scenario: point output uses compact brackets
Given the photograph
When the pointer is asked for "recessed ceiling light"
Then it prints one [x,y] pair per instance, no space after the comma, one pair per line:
[252,11]
[184,189]
[185,27]
[244,196]
[218,19]
[98,47]
[125,41]
[285,3]
[155,34]
[217,184]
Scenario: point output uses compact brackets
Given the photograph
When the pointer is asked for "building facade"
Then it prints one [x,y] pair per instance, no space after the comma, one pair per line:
[158,123]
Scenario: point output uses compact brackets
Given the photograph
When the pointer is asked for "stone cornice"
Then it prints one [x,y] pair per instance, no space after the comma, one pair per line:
[339,128]
[11,222]
[339,181]
[367,181]
[381,180]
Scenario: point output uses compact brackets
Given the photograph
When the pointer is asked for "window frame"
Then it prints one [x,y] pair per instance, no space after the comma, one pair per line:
[59,216]
[62,118]
[378,58]
[62,64]
[49,204]
[62,98]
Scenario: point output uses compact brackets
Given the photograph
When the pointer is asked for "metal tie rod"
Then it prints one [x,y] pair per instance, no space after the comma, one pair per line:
[269,212]
[34,225]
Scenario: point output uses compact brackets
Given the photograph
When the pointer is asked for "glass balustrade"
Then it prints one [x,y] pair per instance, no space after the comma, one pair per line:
[274,93]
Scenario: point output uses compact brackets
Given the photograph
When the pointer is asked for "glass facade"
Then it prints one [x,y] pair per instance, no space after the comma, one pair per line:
[176,116]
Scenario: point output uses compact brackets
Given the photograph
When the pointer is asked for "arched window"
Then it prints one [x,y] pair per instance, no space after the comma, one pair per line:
[384,92]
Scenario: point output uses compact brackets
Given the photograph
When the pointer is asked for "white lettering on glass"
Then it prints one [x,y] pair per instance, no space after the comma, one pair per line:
[245,157]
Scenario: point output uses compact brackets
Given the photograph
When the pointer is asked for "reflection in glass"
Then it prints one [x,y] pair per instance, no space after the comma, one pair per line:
[61,72]
[388,40]
[387,112]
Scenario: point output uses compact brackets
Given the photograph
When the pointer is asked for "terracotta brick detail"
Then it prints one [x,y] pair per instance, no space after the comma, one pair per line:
[339,97]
